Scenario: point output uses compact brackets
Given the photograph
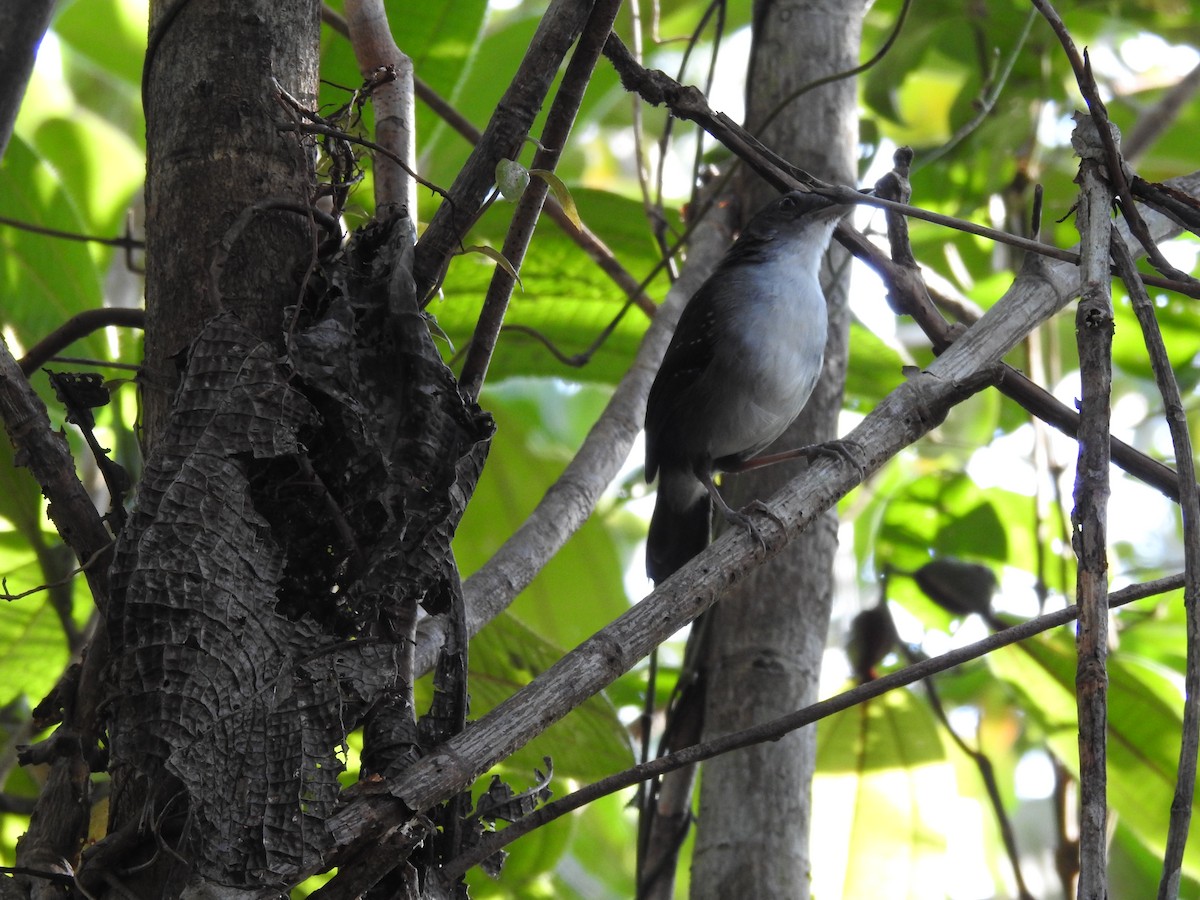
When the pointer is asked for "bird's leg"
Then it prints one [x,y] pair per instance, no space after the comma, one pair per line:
[740,517]
[836,450]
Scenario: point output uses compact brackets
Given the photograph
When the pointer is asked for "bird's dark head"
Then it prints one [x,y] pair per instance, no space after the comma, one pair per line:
[797,221]
[793,209]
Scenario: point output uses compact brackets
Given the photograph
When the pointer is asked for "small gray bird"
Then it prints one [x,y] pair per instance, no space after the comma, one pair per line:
[743,361]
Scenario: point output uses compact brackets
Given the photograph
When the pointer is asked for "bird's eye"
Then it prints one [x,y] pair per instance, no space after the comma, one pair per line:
[787,203]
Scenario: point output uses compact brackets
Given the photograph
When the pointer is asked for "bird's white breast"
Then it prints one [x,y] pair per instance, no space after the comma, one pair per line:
[775,355]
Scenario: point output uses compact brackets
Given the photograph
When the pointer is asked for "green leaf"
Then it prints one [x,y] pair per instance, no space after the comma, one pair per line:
[561,194]
[497,257]
[882,790]
[1143,728]
[123,25]
[33,651]
[566,299]
[44,280]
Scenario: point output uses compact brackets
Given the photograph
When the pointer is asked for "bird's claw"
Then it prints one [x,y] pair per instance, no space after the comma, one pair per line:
[839,450]
[744,519]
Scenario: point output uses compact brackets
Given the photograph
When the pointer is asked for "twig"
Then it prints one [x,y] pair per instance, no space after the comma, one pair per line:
[988,101]
[554,138]
[1155,121]
[79,326]
[320,128]
[66,579]
[777,728]
[987,773]
[395,116]
[1189,503]
[126,242]
[1094,330]
[875,59]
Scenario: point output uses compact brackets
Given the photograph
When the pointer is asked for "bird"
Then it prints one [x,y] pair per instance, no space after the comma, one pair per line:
[740,367]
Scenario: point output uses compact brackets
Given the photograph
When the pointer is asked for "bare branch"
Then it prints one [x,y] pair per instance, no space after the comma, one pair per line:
[560,24]
[516,242]
[1189,502]
[775,729]
[1094,331]
[395,117]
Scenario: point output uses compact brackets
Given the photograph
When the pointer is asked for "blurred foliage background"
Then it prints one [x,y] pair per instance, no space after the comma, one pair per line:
[983,94]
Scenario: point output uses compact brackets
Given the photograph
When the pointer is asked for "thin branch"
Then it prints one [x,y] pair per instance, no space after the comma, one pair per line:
[45,452]
[554,138]
[987,102]
[1116,167]
[1189,503]
[126,242]
[987,774]
[560,24]
[1094,331]
[66,579]
[331,131]
[1156,120]
[777,728]
[77,327]
[395,116]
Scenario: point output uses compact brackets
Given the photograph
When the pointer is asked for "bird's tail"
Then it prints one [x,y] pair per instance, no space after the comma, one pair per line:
[680,526]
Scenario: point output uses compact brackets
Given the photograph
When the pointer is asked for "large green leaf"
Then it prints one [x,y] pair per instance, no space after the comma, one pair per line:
[44,281]
[883,797]
[123,26]
[564,296]
[33,652]
[540,425]
[1144,723]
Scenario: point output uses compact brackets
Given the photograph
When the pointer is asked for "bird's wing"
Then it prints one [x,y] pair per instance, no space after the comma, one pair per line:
[684,362]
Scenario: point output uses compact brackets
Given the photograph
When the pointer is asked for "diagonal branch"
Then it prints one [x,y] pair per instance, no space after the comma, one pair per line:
[554,138]
[583,237]
[47,456]
[905,415]
[560,25]
[915,672]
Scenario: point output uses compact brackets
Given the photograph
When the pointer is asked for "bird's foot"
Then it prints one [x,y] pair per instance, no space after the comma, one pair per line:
[839,450]
[744,518]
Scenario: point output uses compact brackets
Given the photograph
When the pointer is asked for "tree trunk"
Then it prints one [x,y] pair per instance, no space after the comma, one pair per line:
[223,191]
[767,637]
[214,151]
